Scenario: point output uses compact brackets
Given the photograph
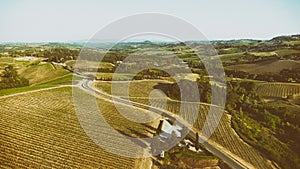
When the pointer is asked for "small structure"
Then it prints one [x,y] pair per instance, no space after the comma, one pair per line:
[168,131]
[193,149]
[168,128]
[26,58]
[162,154]
[190,145]
[119,62]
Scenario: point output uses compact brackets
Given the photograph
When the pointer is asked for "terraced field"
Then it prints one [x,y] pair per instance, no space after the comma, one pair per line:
[41,130]
[278,89]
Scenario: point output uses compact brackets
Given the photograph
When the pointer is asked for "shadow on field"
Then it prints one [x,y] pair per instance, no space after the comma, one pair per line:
[136,140]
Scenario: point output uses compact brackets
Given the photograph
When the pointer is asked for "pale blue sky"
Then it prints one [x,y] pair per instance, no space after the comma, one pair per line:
[54,20]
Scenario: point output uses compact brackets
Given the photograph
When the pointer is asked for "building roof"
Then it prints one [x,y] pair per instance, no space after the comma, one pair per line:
[168,128]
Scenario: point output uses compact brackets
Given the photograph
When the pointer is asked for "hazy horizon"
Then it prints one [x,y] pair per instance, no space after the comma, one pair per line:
[134,40]
[35,21]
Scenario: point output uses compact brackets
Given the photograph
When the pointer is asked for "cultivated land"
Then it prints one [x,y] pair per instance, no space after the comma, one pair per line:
[259,127]
[224,136]
[279,90]
[41,130]
[267,66]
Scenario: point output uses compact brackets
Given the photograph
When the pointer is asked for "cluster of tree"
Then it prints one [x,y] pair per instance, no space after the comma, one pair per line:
[11,79]
[151,74]
[114,56]
[285,75]
[60,55]
[99,69]
[104,78]
[256,122]
[97,55]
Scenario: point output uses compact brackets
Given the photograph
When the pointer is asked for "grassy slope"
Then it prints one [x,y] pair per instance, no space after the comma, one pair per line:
[263,54]
[6,59]
[59,81]
[41,73]
[230,57]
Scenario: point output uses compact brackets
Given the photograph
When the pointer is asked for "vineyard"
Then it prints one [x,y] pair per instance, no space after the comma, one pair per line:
[224,135]
[139,88]
[281,90]
[41,130]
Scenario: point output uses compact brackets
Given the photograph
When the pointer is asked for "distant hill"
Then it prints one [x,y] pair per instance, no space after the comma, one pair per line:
[286,38]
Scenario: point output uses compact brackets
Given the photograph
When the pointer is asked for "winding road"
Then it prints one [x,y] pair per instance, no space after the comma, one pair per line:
[86,84]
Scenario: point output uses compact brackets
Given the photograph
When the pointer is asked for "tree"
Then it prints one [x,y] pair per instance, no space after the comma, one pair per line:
[11,79]
[9,72]
[197,146]
[159,128]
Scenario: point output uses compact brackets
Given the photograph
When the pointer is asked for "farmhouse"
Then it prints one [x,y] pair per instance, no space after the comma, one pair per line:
[168,129]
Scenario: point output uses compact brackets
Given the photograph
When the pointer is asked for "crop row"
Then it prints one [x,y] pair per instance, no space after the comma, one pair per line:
[41,130]
[223,135]
[278,89]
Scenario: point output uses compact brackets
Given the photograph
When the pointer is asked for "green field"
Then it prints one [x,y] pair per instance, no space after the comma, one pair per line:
[65,80]
[41,73]
[292,43]
[230,57]
[285,52]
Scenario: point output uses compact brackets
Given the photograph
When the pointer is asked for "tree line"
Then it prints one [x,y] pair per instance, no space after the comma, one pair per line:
[11,79]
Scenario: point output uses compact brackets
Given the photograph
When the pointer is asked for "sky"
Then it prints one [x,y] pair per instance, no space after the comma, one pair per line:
[72,20]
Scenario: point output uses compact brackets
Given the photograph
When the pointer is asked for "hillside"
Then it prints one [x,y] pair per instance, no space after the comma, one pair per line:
[224,135]
[267,66]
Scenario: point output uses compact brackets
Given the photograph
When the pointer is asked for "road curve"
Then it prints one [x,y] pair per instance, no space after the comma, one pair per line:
[87,85]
